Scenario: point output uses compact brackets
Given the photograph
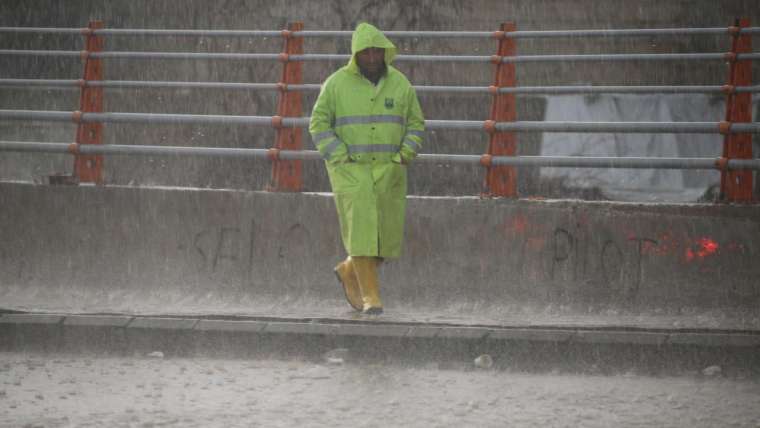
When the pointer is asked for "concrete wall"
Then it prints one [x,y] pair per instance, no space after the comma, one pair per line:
[327,14]
[128,250]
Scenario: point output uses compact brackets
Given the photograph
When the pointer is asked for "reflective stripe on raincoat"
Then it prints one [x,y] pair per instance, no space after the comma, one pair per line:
[366,134]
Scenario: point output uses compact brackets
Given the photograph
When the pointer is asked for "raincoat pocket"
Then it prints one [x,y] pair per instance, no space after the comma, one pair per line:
[391,177]
[349,177]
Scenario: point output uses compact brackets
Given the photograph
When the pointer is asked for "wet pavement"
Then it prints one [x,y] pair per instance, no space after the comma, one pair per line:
[150,390]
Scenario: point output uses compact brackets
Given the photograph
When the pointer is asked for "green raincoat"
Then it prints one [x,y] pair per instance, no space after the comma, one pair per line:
[367,134]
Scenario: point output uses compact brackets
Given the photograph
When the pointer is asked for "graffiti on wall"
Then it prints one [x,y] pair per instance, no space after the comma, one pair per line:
[244,254]
[620,259]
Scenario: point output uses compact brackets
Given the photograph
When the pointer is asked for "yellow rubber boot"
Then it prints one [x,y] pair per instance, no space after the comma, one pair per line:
[347,278]
[366,273]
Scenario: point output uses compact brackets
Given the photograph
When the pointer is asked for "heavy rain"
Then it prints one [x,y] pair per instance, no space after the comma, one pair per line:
[193,234]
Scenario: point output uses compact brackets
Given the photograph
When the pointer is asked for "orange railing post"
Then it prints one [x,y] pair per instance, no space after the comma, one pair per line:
[89,168]
[502,180]
[736,186]
[286,175]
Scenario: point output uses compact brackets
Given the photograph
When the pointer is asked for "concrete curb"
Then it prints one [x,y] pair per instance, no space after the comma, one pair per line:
[57,325]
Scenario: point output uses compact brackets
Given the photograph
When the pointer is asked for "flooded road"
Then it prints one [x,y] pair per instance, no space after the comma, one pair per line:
[38,390]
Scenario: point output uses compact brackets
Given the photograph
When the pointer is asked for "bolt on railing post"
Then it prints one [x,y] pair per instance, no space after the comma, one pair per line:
[89,168]
[502,180]
[286,175]
[736,186]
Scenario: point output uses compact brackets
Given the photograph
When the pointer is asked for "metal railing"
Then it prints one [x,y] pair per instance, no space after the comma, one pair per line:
[486,160]
[494,126]
[717,56]
[314,87]
[467,125]
[633,32]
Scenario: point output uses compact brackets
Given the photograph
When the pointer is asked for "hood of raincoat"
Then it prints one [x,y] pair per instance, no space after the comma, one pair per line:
[368,36]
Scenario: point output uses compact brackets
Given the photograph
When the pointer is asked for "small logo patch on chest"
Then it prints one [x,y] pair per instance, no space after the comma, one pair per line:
[389,103]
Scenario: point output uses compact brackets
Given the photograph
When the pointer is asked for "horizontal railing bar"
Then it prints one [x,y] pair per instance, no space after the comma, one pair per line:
[142,84]
[591,127]
[53,83]
[519,126]
[144,54]
[601,162]
[610,162]
[63,83]
[43,30]
[626,89]
[200,85]
[400,58]
[400,34]
[529,34]
[38,52]
[38,147]
[543,161]
[629,57]
[187,55]
[64,116]
[193,33]
[164,84]
[621,89]
[42,115]
[627,127]
[451,89]
[454,124]
[108,149]
[393,34]
[144,32]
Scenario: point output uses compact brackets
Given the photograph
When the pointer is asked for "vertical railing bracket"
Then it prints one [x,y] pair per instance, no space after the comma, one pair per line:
[287,174]
[89,168]
[736,186]
[501,181]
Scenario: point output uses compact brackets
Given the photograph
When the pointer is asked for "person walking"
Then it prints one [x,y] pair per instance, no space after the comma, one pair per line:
[368,125]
